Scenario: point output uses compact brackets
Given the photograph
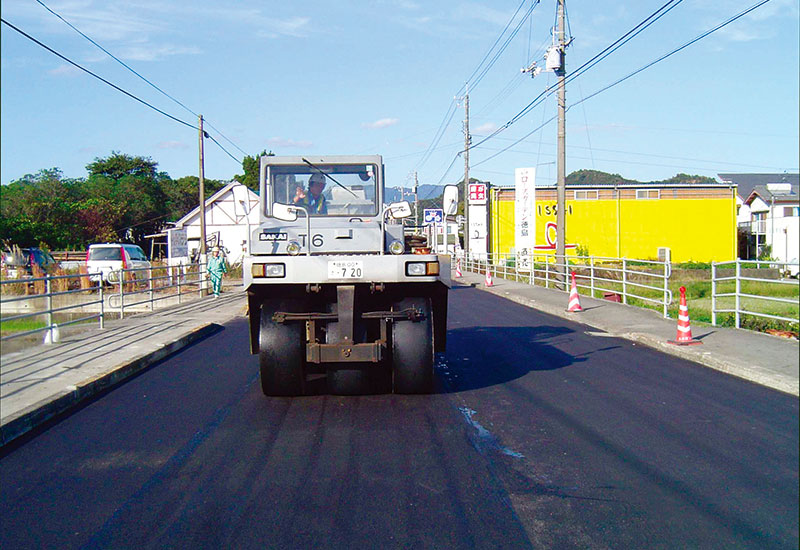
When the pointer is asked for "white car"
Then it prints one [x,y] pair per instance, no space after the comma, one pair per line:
[103,261]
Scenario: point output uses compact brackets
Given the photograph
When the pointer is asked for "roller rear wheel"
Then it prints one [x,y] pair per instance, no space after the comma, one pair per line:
[412,349]
[281,351]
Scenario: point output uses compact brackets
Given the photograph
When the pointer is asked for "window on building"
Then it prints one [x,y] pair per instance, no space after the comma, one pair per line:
[789,211]
[584,195]
[647,193]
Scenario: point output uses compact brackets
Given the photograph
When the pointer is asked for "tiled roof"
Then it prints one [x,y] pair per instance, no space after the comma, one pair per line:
[747,182]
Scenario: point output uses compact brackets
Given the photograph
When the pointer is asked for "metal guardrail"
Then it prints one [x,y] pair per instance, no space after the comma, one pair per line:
[618,279]
[154,282]
[129,283]
[757,300]
[48,295]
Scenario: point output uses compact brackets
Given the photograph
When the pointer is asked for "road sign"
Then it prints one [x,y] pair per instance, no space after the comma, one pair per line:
[477,193]
[433,215]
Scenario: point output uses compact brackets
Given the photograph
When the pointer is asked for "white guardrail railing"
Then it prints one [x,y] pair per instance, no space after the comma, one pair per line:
[739,274]
[77,298]
[616,279]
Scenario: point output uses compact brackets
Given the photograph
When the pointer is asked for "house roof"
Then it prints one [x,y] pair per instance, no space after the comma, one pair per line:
[774,196]
[211,200]
[627,185]
[747,182]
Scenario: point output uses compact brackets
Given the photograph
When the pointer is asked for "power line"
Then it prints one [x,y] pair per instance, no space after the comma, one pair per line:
[100,78]
[676,50]
[663,57]
[505,44]
[115,58]
[489,51]
[608,50]
[448,117]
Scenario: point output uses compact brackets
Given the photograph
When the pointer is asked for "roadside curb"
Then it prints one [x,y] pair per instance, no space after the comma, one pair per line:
[49,408]
[749,373]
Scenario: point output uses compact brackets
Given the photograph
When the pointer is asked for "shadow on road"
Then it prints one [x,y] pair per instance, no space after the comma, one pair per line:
[480,357]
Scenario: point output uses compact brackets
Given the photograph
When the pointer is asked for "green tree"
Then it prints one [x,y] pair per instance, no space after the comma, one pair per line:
[40,209]
[687,178]
[183,194]
[133,185]
[250,166]
[595,177]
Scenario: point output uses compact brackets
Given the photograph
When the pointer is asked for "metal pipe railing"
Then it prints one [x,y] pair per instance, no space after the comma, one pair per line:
[593,273]
[756,303]
[155,284]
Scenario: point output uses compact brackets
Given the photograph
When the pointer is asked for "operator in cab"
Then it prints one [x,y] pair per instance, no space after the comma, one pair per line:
[313,199]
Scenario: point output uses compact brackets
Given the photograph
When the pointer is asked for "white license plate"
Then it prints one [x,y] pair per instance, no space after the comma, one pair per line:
[345,269]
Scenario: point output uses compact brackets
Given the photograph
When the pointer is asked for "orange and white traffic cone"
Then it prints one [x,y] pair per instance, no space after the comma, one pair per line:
[458,269]
[684,336]
[488,280]
[574,299]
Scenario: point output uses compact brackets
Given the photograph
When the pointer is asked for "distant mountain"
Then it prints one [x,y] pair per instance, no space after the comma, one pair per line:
[596,177]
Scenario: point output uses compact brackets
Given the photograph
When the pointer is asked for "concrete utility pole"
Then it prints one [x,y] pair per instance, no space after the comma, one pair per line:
[561,203]
[416,199]
[466,170]
[202,196]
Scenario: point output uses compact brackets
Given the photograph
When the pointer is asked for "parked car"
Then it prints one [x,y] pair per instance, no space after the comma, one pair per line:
[104,260]
[18,261]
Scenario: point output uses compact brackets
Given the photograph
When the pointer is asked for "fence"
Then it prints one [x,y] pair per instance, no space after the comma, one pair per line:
[749,296]
[617,279]
[34,297]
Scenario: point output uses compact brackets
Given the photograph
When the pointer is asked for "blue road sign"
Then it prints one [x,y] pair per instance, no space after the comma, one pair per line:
[433,215]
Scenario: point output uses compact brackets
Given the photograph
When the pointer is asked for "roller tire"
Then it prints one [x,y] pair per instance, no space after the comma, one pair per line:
[281,351]
[412,349]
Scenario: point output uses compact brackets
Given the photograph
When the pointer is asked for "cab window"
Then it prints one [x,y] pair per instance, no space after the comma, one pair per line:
[327,190]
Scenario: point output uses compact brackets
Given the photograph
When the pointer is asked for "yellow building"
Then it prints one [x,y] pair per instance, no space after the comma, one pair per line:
[697,222]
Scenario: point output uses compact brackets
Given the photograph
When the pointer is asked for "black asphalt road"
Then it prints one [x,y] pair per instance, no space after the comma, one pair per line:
[544,434]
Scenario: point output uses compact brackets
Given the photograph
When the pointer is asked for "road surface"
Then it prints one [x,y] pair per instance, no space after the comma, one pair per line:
[543,434]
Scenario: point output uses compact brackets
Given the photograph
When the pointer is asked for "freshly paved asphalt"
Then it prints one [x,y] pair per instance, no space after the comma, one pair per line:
[544,433]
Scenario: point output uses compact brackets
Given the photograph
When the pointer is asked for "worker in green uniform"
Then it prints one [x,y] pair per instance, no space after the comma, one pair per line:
[216,268]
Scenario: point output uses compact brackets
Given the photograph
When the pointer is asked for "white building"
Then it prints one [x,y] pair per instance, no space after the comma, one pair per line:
[766,206]
[775,221]
[229,213]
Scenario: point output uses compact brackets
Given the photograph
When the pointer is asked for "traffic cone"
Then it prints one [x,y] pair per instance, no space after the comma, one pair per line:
[458,269]
[684,336]
[574,299]
[488,280]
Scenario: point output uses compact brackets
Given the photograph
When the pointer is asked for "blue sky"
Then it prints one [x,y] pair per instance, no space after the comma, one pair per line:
[381,76]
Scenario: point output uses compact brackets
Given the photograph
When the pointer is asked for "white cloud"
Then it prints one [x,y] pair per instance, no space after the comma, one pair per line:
[172,145]
[65,70]
[471,10]
[283,142]
[153,52]
[486,128]
[381,123]
[273,28]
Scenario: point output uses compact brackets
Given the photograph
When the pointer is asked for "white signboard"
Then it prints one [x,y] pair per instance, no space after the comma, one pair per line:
[477,231]
[524,221]
[177,243]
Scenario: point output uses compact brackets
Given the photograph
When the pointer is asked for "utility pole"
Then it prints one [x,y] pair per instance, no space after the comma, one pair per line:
[416,200]
[561,192]
[466,170]
[202,197]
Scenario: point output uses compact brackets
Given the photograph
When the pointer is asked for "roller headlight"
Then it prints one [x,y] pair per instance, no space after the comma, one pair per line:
[293,248]
[421,269]
[397,247]
[268,270]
